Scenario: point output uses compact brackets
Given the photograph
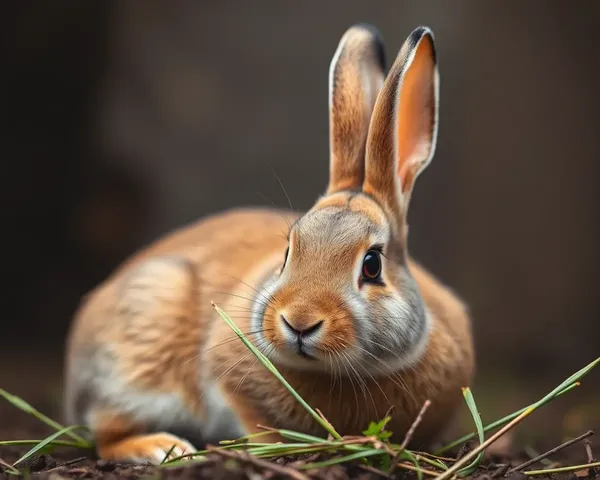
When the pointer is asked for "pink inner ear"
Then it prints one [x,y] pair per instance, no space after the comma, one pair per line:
[415,115]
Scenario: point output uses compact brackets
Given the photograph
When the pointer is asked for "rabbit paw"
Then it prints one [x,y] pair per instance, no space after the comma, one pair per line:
[154,448]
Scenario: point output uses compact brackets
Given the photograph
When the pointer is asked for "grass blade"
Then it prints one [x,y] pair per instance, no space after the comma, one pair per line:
[432,461]
[244,439]
[269,365]
[299,437]
[21,404]
[566,384]
[570,468]
[46,442]
[167,455]
[415,462]
[479,426]
[8,468]
[572,382]
[56,443]
[364,453]
[494,425]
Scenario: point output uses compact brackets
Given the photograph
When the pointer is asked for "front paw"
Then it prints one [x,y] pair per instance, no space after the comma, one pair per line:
[154,448]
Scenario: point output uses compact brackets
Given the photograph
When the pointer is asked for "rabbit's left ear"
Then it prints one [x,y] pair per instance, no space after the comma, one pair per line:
[355,76]
[403,129]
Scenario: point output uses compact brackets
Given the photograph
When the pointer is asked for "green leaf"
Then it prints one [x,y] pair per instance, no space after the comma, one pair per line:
[479,426]
[376,428]
[385,463]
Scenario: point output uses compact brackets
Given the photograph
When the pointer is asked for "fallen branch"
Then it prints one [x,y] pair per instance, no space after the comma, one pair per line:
[257,462]
[551,452]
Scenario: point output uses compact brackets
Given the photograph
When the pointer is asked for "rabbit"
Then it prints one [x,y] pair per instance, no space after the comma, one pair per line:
[330,296]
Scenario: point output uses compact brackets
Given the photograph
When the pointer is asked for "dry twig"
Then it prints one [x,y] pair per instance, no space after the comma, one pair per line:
[374,470]
[323,417]
[415,424]
[588,451]
[482,446]
[68,463]
[8,467]
[551,452]
[409,434]
[274,467]
[412,468]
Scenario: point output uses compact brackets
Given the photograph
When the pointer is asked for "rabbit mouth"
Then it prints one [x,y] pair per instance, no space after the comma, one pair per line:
[304,354]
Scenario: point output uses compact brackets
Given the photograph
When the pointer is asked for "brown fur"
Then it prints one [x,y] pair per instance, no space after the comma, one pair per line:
[146,348]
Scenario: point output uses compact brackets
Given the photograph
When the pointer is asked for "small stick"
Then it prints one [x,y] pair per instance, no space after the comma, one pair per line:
[72,462]
[482,446]
[9,468]
[500,471]
[412,468]
[409,435]
[415,424]
[570,468]
[588,450]
[550,452]
[66,464]
[437,457]
[374,470]
[324,418]
[389,411]
[280,469]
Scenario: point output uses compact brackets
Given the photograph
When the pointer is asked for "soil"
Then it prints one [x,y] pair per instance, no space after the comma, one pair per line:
[65,463]
[37,381]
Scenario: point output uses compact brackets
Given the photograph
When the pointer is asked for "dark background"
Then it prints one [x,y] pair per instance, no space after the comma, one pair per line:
[123,120]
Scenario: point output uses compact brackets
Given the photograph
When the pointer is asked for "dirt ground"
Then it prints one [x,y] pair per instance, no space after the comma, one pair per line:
[37,381]
[70,463]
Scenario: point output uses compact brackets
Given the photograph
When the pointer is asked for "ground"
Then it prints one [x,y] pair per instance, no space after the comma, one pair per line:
[72,463]
[36,381]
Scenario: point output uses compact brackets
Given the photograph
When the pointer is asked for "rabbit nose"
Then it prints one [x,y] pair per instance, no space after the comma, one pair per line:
[302,329]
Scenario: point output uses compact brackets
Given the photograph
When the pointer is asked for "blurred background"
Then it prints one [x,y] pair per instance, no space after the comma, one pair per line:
[124,120]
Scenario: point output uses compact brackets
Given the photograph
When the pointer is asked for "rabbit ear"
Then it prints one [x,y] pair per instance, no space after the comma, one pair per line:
[403,129]
[356,75]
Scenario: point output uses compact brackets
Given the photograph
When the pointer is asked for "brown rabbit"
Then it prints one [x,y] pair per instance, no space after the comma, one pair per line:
[337,304]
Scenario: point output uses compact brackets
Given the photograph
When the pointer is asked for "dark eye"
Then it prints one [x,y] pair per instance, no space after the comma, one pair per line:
[371,269]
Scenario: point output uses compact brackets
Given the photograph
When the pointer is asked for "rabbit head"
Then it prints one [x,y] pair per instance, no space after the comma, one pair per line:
[344,294]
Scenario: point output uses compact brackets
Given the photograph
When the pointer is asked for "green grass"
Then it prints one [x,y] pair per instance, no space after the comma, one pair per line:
[45,445]
[373,449]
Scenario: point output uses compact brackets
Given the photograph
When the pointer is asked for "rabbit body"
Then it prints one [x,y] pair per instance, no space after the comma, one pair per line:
[150,365]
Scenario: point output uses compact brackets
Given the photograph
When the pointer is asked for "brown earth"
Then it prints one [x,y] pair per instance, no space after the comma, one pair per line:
[72,463]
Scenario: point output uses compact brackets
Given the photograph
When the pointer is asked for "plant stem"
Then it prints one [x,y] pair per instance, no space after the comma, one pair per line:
[269,365]
[494,425]
[563,388]
[563,469]
[481,447]
[550,452]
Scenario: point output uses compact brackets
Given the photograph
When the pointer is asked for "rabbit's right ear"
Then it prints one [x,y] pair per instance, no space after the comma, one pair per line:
[403,130]
[356,75]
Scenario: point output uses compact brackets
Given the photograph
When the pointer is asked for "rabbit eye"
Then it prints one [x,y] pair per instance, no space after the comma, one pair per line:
[371,269]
